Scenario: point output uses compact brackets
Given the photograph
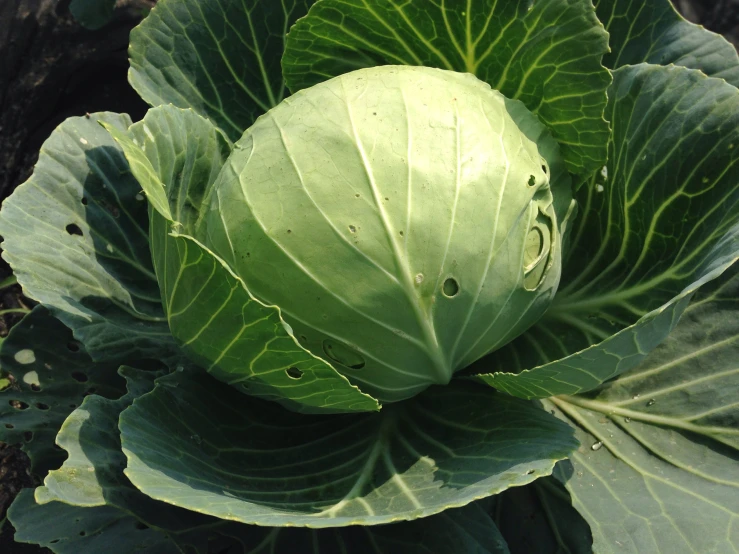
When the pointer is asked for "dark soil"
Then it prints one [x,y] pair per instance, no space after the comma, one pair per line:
[51,68]
[720,16]
[14,476]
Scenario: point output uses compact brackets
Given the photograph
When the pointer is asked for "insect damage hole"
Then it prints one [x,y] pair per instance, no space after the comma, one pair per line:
[537,251]
[294,373]
[79,376]
[343,354]
[450,288]
[74,229]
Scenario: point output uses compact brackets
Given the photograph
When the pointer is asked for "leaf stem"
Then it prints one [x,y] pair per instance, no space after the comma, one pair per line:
[610,410]
[15,311]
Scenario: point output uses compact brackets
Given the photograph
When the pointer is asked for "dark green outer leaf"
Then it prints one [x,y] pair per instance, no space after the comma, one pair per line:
[659,467]
[90,502]
[92,478]
[652,31]
[255,462]
[60,528]
[92,474]
[691,381]
[546,54]
[68,529]
[467,530]
[663,223]
[76,236]
[52,374]
[218,57]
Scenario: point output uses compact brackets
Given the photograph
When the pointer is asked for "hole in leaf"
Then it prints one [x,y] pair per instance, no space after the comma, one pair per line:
[54,541]
[303,338]
[9,426]
[537,251]
[343,354]
[42,406]
[27,436]
[294,373]
[544,168]
[79,376]
[532,181]
[35,388]
[18,405]
[530,472]
[534,246]
[450,288]
[74,229]
[84,201]
[82,533]
[73,346]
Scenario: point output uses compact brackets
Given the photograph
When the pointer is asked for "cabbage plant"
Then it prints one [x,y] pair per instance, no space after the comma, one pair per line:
[375,276]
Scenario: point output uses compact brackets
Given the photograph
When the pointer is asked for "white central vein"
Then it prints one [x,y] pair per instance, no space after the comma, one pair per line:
[491,251]
[429,335]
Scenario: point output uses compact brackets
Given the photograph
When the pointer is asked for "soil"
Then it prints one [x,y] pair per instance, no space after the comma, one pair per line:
[51,68]
[14,475]
[720,16]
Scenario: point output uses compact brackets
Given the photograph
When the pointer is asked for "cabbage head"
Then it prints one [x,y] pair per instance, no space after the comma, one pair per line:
[402,217]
